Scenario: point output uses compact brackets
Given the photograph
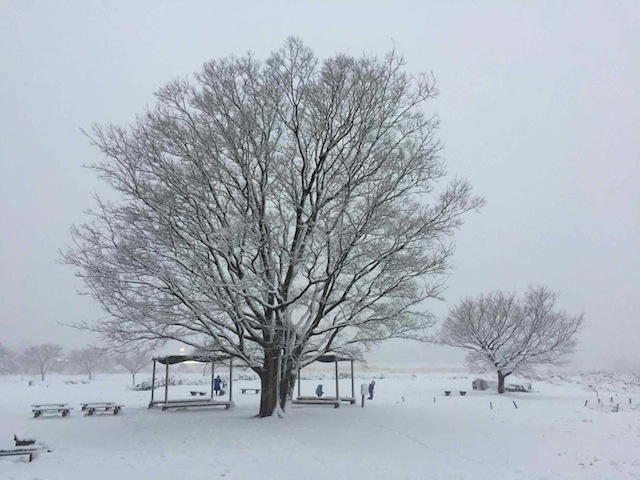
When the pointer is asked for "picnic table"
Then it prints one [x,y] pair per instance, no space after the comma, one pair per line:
[18,452]
[197,392]
[40,408]
[92,407]
[254,390]
[174,404]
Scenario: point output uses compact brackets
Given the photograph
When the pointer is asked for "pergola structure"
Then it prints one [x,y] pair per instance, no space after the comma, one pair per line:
[172,360]
[335,401]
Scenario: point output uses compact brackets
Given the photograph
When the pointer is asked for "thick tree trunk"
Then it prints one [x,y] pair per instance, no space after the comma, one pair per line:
[276,388]
[501,377]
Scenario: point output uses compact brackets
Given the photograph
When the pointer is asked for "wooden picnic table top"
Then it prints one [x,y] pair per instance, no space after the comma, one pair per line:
[52,408]
[38,405]
[97,404]
[188,400]
[19,451]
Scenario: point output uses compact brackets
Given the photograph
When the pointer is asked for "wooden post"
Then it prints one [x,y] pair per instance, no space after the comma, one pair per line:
[585,402]
[515,405]
[153,382]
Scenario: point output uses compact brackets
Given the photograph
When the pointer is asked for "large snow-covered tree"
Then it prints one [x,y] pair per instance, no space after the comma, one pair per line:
[274,211]
[511,335]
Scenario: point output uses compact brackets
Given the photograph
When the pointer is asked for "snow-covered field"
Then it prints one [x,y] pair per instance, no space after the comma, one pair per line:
[411,430]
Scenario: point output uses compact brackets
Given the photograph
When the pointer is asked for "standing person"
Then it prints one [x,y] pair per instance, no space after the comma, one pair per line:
[371,386]
[216,385]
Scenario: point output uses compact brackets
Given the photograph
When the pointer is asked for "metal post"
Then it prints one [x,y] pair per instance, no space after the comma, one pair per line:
[353,386]
[212,379]
[166,382]
[230,379]
[337,388]
[153,382]
[298,381]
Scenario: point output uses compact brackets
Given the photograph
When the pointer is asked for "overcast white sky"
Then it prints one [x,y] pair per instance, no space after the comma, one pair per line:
[539,107]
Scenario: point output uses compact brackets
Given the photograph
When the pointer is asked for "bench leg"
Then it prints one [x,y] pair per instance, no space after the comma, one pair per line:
[116,410]
[65,413]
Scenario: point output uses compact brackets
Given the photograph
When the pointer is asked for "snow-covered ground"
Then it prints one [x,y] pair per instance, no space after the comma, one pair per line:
[411,430]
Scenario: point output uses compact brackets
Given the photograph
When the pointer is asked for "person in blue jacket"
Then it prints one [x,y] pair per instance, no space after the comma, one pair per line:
[371,387]
[217,383]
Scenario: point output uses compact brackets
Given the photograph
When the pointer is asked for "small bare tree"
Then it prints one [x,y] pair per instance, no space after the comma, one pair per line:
[274,211]
[7,360]
[511,335]
[135,360]
[41,356]
[87,359]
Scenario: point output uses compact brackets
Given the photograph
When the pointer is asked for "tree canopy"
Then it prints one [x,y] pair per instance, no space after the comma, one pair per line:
[274,211]
[511,335]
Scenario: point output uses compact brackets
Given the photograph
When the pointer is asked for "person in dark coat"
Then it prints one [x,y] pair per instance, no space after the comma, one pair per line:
[217,383]
[319,391]
[371,387]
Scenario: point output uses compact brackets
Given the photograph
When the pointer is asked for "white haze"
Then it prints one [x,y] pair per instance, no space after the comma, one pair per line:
[538,106]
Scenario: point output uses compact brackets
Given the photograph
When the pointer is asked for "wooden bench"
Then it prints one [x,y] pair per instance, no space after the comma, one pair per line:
[39,409]
[174,404]
[304,398]
[196,392]
[515,388]
[254,390]
[317,401]
[23,442]
[18,452]
[92,407]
